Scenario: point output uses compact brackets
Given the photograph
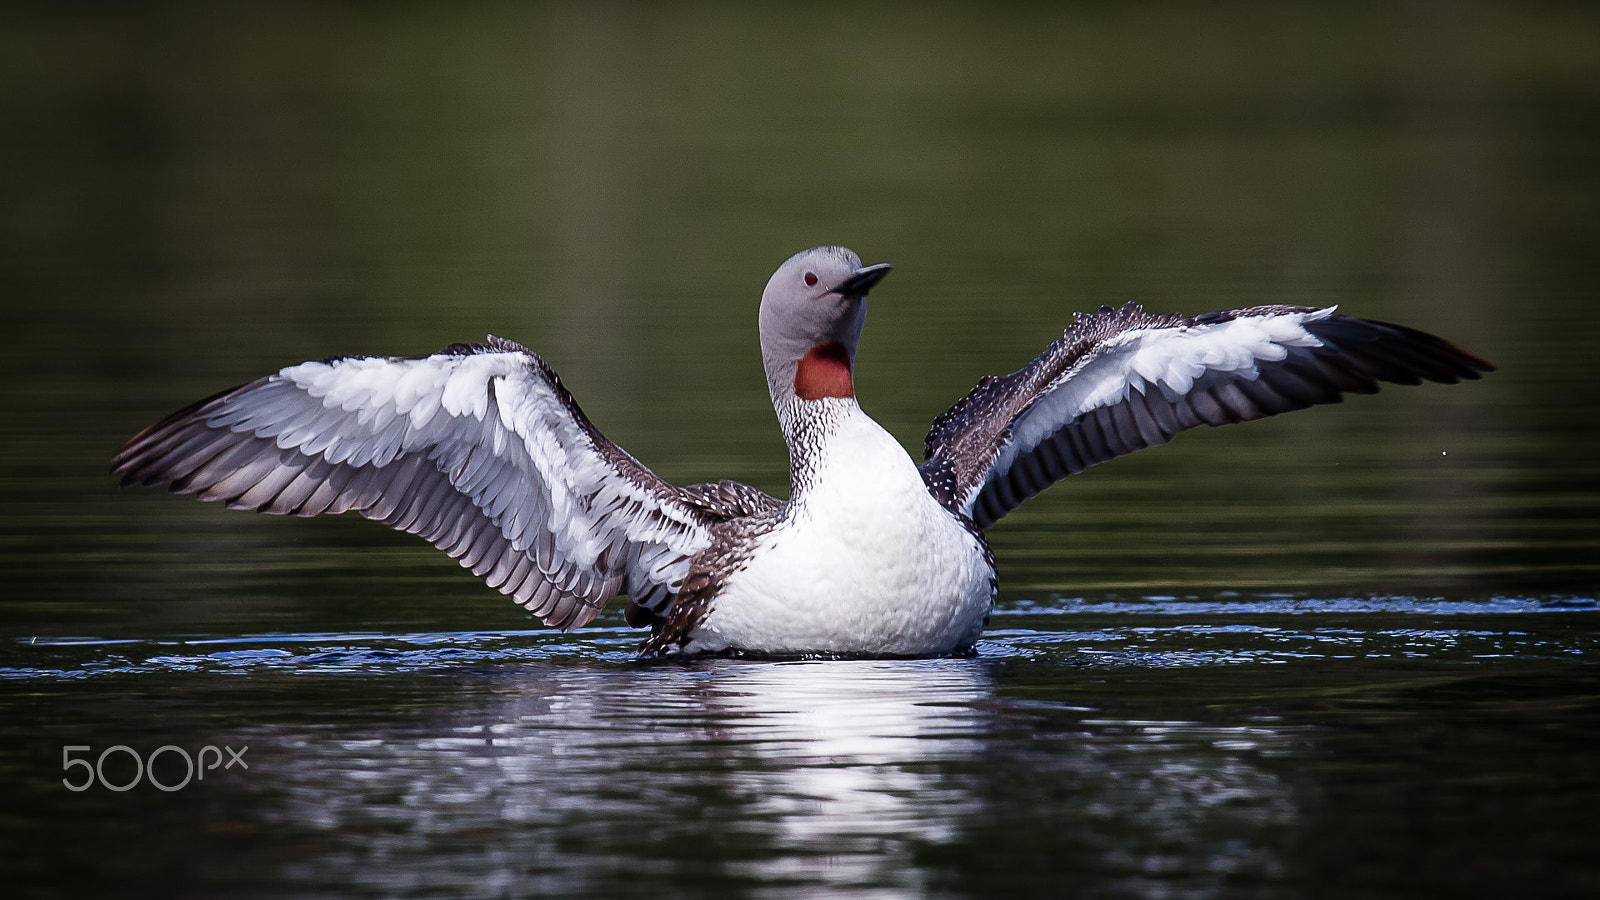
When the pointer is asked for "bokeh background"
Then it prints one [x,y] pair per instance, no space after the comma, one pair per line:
[193,195]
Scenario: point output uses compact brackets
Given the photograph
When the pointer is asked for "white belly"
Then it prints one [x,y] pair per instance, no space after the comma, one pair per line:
[867,563]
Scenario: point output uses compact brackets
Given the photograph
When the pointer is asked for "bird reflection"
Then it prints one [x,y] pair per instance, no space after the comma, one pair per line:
[892,777]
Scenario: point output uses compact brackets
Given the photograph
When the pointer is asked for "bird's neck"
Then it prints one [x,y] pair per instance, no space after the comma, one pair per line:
[824,371]
[809,428]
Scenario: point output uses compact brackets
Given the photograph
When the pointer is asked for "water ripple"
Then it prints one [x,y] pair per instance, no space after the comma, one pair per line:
[1146,632]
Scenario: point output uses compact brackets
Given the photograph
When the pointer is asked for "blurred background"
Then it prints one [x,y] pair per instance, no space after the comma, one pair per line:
[192,195]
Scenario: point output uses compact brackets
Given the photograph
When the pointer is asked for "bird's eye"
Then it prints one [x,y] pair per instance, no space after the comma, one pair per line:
[811,279]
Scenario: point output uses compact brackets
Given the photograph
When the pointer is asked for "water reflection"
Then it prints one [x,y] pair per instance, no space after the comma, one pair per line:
[1130,755]
[825,773]
[866,778]
[1134,806]
[843,759]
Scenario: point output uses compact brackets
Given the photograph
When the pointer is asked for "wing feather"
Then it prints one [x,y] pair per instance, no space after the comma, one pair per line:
[478,449]
[1121,380]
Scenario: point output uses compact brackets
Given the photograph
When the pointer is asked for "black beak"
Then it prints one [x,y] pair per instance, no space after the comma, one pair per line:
[862,280]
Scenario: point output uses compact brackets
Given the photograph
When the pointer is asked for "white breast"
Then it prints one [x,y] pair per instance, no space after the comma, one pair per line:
[867,562]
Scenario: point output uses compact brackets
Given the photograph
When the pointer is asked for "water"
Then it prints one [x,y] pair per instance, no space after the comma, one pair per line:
[1344,652]
[1147,746]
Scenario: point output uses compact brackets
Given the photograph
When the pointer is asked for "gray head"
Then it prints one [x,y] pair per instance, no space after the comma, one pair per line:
[811,317]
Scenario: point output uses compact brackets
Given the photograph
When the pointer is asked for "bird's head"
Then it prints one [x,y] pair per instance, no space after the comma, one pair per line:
[811,317]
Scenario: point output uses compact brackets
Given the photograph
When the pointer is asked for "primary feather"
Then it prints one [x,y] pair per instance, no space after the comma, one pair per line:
[1120,380]
[478,449]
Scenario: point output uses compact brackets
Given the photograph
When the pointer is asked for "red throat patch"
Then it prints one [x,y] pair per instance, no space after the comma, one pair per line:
[824,372]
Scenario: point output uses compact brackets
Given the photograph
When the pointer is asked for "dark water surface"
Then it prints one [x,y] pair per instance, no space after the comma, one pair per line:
[1347,652]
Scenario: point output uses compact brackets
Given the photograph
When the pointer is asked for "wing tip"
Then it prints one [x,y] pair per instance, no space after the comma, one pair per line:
[1351,355]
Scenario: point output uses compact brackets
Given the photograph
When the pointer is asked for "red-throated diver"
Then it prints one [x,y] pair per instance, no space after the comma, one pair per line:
[481,451]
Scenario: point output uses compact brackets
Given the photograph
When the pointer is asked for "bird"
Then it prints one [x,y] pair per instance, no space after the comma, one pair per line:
[482,451]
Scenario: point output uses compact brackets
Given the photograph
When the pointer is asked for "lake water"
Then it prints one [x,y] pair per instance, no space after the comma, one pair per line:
[1346,652]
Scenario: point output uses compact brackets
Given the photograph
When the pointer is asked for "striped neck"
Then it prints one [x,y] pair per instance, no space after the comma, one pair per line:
[808,426]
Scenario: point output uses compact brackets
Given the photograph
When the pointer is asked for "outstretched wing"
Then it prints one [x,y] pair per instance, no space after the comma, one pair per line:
[478,449]
[1121,380]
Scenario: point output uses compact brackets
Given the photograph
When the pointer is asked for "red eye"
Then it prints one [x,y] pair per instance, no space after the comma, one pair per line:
[811,279]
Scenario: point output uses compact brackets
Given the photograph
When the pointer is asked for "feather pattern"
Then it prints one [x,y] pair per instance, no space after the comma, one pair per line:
[478,449]
[1121,380]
